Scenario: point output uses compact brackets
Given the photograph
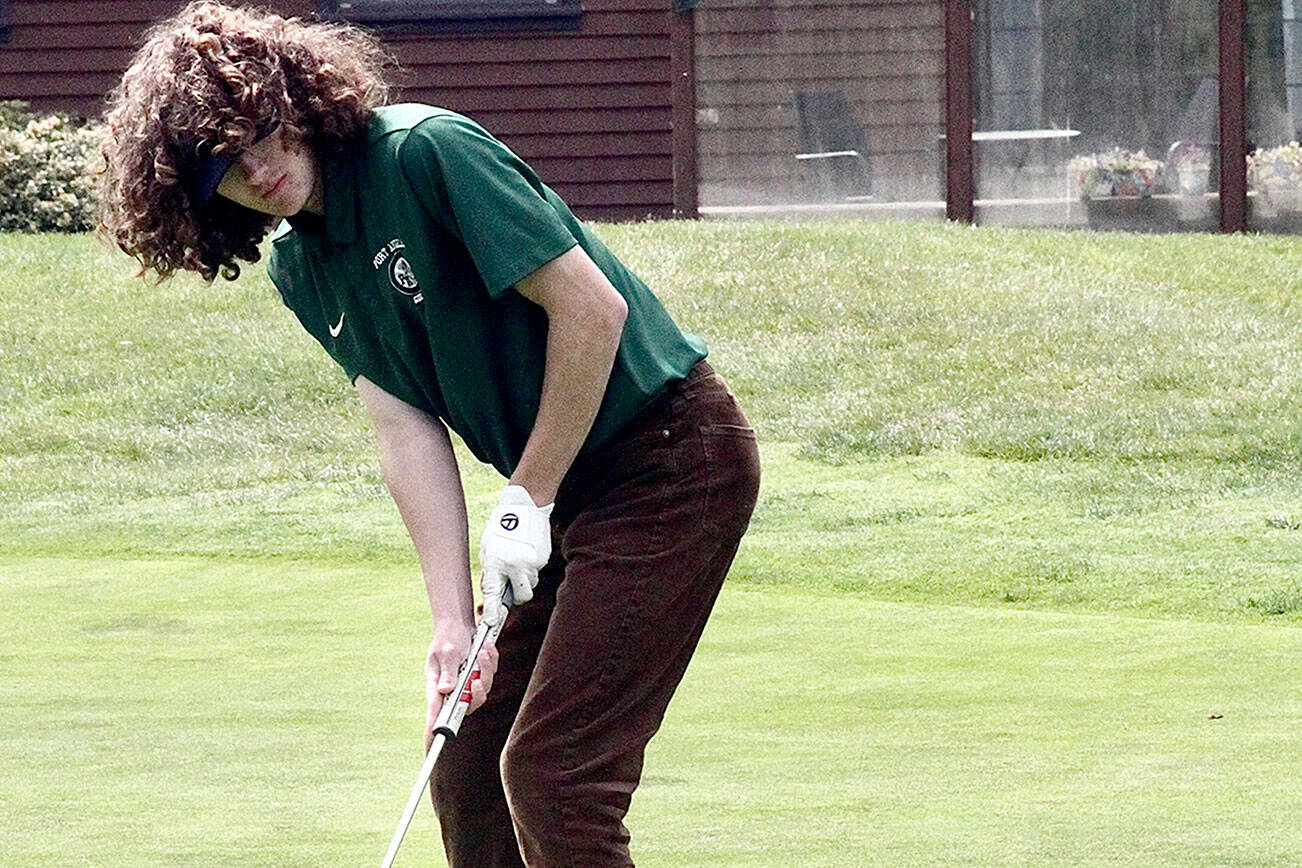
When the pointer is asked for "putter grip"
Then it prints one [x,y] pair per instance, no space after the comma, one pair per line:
[452,713]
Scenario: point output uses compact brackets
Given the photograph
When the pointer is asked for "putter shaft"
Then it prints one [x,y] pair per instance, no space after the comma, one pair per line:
[446,727]
[417,793]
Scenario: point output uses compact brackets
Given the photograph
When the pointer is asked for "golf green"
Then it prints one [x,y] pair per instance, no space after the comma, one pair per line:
[230,712]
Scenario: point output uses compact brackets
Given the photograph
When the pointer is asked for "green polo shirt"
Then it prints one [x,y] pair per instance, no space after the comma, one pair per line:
[407,282]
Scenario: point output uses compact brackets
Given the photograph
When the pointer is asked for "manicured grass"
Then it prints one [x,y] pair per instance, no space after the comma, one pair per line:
[200,712]
[913,734]
[1031,515]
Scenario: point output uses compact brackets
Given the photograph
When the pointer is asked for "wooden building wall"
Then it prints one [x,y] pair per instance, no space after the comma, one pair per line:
[887,55]
[590,110]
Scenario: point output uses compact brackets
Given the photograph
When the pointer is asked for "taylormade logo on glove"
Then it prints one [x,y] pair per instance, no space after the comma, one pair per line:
[516,544]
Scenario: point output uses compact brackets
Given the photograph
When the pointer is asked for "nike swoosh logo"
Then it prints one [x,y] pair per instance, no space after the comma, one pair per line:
[337,327]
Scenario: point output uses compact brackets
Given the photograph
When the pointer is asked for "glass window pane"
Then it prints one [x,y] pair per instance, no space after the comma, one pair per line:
[1099,113]
[818,106]
[1274,61]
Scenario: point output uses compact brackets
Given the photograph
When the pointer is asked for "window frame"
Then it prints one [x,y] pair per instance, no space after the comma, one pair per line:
[435,16]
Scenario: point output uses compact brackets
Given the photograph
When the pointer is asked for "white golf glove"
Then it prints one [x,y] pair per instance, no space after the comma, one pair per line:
[516,544]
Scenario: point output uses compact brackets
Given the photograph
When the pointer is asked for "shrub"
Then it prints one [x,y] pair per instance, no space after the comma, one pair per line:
[46,177]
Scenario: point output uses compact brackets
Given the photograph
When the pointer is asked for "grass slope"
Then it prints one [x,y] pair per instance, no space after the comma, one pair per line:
[1096,422]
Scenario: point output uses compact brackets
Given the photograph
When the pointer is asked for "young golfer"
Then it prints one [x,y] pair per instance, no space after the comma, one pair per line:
[457,291]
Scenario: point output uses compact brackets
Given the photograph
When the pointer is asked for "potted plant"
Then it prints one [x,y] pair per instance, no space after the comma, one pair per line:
[1117,187]
[1115,173]
[1276,174]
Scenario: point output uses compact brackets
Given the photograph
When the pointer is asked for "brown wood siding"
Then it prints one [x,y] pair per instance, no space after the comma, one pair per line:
[591,109]
[752,55]
[65,55]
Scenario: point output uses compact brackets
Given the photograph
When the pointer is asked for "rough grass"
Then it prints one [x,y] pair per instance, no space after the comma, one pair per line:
[903,339]
[851,339]
[981,416]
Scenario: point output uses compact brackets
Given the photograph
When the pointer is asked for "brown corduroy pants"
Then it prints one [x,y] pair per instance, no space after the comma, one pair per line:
[643,532]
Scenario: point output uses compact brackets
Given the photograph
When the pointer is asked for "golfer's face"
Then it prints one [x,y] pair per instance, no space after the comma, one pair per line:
[276,176]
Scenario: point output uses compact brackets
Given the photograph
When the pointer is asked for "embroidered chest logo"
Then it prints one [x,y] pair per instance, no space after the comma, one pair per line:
[402,276]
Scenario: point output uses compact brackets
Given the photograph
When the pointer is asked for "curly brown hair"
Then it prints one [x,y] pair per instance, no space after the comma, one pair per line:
[207,82]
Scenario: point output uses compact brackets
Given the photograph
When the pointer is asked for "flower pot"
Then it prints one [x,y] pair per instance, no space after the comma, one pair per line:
[1284,201]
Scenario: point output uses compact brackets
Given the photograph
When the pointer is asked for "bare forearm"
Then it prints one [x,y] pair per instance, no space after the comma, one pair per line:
[432,506]
[579,360]
[420,470]
[585,319]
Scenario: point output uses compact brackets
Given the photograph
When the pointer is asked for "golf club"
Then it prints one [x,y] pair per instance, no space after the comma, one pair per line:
[448,722]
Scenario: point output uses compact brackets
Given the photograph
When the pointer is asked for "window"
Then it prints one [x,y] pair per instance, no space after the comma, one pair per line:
[4,20]
[456,14]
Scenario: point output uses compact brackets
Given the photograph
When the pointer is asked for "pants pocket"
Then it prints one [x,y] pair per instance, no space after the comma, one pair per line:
[732,453]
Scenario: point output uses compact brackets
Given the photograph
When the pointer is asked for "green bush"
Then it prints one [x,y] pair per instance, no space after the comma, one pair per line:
[47,183]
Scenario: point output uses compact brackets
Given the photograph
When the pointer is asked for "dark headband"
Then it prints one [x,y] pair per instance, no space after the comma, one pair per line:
[201,185]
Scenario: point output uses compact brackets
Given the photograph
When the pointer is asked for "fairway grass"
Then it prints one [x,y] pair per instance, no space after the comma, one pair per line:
[199,713]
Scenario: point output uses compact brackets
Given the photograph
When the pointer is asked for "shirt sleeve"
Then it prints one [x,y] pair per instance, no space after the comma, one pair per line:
[486,196]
